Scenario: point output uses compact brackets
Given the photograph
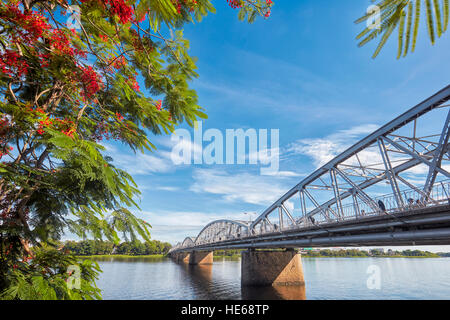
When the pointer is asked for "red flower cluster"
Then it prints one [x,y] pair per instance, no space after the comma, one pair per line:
[5,152]
[63,125]
[188,3]
[90,80]
[103,37]
[32,25]
[42,124]
[44,60]
[159,105]
[119,116]
[136,85]
[177,4]
[13,64]
[69,132]
[4,128]
[133,84]
[28,28]
[60,43]
[269,3]
[120,62]
[234,3]
[121,9]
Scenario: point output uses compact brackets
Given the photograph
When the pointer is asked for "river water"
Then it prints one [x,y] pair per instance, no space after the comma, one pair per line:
[326,278]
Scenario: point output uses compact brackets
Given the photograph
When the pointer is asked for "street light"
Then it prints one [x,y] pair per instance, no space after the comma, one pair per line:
[250,215]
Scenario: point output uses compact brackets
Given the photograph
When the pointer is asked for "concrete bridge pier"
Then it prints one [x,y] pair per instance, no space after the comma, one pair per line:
[271,268]
[181,257]
[201,257]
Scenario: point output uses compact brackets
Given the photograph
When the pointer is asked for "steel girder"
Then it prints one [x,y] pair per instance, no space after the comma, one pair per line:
[221,230]
[188,242]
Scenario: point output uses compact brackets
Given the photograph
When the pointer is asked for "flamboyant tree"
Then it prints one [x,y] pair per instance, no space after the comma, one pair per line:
[68,81]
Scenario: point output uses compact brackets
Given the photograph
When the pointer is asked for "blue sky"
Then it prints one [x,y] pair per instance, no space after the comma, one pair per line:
[300,72]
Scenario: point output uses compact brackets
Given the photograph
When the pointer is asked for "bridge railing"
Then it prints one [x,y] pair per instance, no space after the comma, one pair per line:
[412,199]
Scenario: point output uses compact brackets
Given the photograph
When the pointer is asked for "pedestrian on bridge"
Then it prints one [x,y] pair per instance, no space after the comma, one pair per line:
[382,206]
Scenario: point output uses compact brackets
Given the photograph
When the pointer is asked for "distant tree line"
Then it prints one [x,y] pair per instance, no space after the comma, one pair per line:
[370,253]
[135,248]
[227,253]
[351,253]
[336,253]
[444,254]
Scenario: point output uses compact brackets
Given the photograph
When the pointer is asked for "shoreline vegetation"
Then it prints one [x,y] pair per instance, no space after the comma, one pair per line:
[373,253]
[123,256]
[350,253]
[98,248]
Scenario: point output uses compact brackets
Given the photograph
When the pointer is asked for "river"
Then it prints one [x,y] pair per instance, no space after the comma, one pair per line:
[326,278]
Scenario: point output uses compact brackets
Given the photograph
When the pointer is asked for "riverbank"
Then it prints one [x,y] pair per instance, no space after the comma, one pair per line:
[227,257]
[385,256]
[322,256]
[123,256]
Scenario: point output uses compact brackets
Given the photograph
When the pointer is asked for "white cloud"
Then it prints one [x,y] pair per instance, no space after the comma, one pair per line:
[284,174]
[246,187]
[139,163]
[418,170]
[189,147]
[188,218]
[322,150]
[142,164]
[167,188]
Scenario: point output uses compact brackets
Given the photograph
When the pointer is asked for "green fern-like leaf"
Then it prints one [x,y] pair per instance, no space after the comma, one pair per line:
[437,12]
[389,26]
[408,29]
[383,41]
[416,25]
[401,31]
[446,15]
[430,26]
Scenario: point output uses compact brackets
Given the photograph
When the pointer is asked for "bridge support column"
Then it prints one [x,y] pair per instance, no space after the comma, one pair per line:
[181,257]
[201,257]
[271,268]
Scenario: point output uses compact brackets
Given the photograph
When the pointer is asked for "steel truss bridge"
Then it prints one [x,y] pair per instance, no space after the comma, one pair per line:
[390,188]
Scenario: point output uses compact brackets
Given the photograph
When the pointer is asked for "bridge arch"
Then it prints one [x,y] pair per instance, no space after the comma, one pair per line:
[188,242]
[221,230]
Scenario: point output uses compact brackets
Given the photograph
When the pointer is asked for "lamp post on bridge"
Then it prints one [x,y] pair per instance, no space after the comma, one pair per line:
[250,215]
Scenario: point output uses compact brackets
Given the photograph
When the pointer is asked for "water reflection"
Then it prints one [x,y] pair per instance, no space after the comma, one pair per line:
[326,278]
[202,273]
[201,277]
[274,293]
